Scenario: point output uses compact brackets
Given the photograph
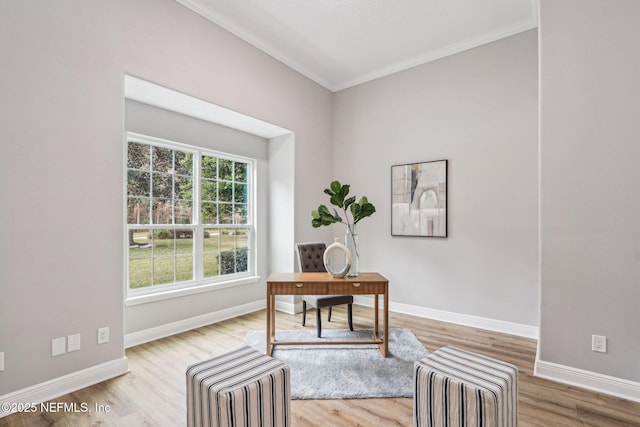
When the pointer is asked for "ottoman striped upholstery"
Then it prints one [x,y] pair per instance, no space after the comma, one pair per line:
[454,387]
[240,388]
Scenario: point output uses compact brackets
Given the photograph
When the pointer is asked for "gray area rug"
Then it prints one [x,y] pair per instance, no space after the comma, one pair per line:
[346,371]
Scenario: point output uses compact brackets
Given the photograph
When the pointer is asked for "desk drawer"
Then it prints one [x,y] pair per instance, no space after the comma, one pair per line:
[356,288]
[288,288]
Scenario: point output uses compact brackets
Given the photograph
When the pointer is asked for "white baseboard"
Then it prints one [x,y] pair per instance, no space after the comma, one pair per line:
[66,384]
[511,328]
[162,331]
[619,387]
[288,307]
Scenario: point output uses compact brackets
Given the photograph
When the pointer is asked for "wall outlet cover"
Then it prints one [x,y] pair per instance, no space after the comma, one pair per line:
[599,343]
[73,343]
[58,346]
[103,335]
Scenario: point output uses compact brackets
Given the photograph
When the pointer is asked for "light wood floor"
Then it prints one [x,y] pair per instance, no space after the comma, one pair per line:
[153,393]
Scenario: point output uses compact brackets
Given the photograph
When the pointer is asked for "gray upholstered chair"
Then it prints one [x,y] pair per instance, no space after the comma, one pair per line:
[310,260]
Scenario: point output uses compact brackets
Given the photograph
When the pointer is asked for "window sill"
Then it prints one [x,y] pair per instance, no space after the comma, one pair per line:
[161,295]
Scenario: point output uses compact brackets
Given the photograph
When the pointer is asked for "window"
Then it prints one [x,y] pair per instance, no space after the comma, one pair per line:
[189,216]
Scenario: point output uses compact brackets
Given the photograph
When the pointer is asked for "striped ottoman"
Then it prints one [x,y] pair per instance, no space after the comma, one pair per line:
[454,387]
[240,388]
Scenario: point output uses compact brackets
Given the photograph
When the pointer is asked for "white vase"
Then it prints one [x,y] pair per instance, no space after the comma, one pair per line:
[328,259]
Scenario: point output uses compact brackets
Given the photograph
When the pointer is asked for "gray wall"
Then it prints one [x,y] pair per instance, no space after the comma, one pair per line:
[62,116]
[478,109]
[590,181]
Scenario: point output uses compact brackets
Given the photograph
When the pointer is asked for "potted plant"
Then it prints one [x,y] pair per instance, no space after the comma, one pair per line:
[353,212]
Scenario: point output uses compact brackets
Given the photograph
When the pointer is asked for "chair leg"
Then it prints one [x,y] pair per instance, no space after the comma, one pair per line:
[329,316]
[350,315]
[319,321]
[304,312]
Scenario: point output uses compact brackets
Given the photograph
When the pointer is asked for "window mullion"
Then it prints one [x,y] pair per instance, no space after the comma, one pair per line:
[175,256]
[219,250]
[153,257]
[173,188]
[218,193]
[198,234]
[233,198]
[151,210]
[197,176]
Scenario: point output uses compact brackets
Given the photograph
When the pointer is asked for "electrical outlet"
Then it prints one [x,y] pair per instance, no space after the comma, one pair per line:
[599,343]
[58,346]
[73,343]
[103,335]
[1,360]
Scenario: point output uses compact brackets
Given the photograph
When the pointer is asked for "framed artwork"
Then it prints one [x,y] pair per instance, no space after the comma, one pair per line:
[419,199]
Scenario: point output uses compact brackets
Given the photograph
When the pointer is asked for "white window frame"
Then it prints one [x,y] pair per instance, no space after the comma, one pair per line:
[199,283]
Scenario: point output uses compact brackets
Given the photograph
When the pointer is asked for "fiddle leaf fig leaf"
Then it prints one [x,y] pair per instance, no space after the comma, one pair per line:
[322,216]
[338,193]
[355,211]
[362,209]
[349,201]
[337,201]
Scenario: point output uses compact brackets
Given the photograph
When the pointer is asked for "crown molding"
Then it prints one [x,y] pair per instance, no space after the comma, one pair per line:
[437,54]
[203,9]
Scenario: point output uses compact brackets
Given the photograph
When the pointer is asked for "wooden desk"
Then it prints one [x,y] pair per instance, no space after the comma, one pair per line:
[324,284]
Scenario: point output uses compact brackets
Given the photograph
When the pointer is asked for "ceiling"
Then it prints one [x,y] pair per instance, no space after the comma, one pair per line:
[342,43]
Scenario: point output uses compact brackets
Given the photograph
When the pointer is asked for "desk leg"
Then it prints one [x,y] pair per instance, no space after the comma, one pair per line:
[273,319]
[376,332]
[385,352]
[268,334]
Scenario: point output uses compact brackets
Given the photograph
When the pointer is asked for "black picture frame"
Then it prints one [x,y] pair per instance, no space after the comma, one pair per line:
[419,199]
